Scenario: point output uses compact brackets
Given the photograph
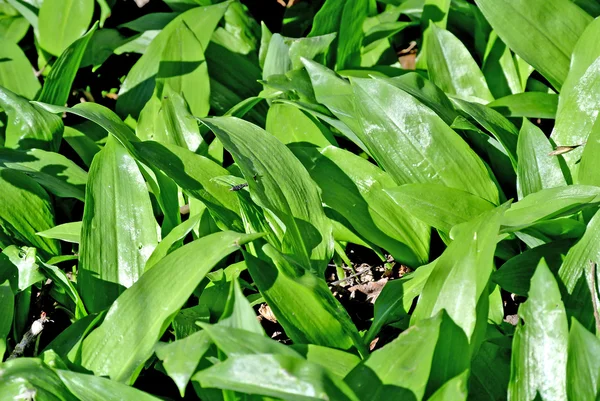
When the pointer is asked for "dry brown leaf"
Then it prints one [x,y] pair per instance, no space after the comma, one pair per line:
[266,312]
[371,289]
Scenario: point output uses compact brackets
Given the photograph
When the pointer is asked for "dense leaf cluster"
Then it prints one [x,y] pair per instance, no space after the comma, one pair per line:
[171,170]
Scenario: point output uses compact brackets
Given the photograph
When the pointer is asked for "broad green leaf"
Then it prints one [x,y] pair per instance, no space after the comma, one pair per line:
[68,343]
[583,368]
[335,361]
[415,364]
[540,342]
[454,389]
[24,211]
[283,187]
[354,187]
[438,206]
[30,377]
[529,28]
[93,388]
[277,59]
[536,169]
[427,93]
[139,84]
[549,203]
[102,116]
[173,240]
[13,26]
[118,229]
[577,113]
[84,146]
[61,22]
[234,341]
[66,286]
[169,121]
[347,19]
[53,171]
[292,125]
[335,93]
[150,22]
[588,166]
[529,104]
[183,69]
[233,79]
[500,67]
[408,357]
[461,275]
[285,377]
[396,299]
[139,316]
[515,275]
[502,129]
[302,304]
[180,358]
[490,372]
[413,144]
[7,304]
[28,125]
[238,313]
[16,73]
[453,69]
[21,268]
[57,86]
[194,174]
[69,232]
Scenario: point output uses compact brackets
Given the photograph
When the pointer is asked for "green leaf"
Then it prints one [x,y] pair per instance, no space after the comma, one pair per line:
[549,203]
[302,303]
[194,174]
[452,68]
[461,275]
[540,342]
[283,187]
[183,69]
[417,356]
[57,86]
[138,87]
[53,171]
[16,72]
[28,125]
[61,22]
[24,211]
[84,146]
[353,187]
[291,125]
[515,275]
[234,341]
[282,376]
[438,206]
[180,358]
[62,282]
[545,47]
[118,230]
[577,113]
[536,169]
[335,361]
[500,67]
[7,305]
[69,232]
[21,268]
[454,389]
[173,240]
[529,104]
[92,388]
[401,134]
[583,368]
[31,377]
[238,313]
[588,166]
[502,129]
[138,318]
[13,26]
[169,121]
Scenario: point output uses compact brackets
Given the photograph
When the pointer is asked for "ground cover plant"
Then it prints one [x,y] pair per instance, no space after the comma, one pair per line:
[299,200]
